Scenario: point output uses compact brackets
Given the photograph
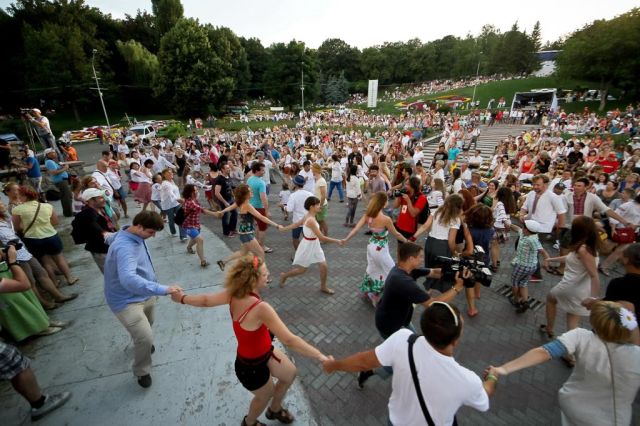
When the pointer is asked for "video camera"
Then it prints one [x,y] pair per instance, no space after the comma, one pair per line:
[474,264]
[15,243]
[25,111]
[399,192]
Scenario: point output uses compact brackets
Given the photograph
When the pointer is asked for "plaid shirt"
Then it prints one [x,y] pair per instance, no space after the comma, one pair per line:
[527,252]
[578,204]
[192,210]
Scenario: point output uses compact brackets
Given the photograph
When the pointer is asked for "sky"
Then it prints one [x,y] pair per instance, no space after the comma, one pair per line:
[364,23]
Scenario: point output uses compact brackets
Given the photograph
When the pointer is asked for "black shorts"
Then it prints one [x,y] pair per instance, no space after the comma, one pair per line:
[405,234]
[44,246]
[253,373]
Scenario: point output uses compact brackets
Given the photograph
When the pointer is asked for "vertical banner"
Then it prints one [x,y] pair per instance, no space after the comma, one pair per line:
[372,99]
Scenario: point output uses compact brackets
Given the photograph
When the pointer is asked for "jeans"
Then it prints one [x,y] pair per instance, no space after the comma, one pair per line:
[351,209]
[171,214]
[229,221]
[333,185]
[137,318]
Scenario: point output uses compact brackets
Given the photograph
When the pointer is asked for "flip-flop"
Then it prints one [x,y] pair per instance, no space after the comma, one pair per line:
[204,264]
[472,314]
[220,264]
[543,329]
[327,291]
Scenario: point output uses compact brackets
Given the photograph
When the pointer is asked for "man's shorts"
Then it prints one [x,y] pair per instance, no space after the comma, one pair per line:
[296,232]
[521,274]
[565,238]
[12,362]
[262,226]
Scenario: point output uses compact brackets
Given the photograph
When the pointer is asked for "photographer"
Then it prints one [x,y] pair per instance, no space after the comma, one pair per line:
[43,129]
[401,292]
[60,178]
[411,202]
[439,379]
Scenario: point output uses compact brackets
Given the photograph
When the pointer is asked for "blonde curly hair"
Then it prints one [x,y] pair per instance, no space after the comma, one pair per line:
[243,275]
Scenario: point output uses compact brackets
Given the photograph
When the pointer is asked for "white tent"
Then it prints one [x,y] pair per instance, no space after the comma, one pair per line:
[544,97]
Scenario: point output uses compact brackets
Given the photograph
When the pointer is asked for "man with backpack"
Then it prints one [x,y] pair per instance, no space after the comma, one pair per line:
[92,225]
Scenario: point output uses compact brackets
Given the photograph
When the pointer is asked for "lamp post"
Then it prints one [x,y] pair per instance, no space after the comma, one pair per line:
[95,76]
[302,85]
[475,83]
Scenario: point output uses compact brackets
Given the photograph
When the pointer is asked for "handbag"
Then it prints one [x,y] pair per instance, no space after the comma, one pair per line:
[624,235]
[414,375]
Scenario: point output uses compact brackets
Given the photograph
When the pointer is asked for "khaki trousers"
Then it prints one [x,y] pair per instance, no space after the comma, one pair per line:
[137,318]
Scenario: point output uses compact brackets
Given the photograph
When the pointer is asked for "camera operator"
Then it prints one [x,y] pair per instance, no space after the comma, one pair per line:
[43,129]
[411,202]
[401,292]
[426,371]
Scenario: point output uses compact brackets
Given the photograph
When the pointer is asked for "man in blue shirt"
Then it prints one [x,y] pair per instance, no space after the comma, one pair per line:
[259,200]
[59,177]
[131,287]
[33,169]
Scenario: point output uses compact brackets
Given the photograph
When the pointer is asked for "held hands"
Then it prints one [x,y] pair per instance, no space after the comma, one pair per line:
[495,371]
[588,302]
[173,289]
[328,364]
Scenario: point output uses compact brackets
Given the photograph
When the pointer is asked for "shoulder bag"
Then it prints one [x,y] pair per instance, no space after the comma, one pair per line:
[35,216]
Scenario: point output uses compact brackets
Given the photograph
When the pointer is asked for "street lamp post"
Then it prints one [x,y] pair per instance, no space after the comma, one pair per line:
[95,76]
[302,85]
[475,83]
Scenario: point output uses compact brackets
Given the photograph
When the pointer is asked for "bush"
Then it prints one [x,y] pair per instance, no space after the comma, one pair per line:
[174,130]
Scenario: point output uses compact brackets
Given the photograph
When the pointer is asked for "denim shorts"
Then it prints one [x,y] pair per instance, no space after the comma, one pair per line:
[192,232]
[296,232]
[245,238]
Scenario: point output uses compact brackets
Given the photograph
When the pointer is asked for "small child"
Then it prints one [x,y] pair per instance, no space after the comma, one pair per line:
[284,199]
[155,191]
[525,262]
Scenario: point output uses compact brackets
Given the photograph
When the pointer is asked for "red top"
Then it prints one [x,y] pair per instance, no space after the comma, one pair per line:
[192,210]
[255,343]
[405,221]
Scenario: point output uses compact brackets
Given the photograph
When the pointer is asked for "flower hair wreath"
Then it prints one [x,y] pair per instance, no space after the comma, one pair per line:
[628,319]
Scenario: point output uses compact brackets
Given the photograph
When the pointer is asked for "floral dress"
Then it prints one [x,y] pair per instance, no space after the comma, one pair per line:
[379,262]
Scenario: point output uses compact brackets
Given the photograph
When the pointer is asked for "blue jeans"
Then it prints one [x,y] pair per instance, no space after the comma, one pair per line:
[171,214]
[333,185]
[229,221]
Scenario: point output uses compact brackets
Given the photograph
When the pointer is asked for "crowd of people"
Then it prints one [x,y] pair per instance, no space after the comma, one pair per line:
[581,193]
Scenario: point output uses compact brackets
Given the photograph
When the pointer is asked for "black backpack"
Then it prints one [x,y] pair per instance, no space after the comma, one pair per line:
[79,237]
[179,217]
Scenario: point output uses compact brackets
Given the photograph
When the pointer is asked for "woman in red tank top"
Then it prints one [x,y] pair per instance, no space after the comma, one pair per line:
[254,324]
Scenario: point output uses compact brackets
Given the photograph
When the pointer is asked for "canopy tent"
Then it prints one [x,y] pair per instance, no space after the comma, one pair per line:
[543,98]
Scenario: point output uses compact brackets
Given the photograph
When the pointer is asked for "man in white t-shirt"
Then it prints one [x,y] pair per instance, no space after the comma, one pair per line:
[307,175]
[445,384]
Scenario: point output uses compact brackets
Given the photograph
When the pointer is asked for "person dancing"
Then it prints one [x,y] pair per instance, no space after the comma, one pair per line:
[379,261]
[309,251]
[257,361]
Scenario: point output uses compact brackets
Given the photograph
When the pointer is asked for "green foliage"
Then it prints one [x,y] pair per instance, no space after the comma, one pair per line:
[143,65]
[167,13]
[192,75]
[257,58]
[283,72]
[606,52]
[228,48]
[336,56]
[174,130]
[336,90]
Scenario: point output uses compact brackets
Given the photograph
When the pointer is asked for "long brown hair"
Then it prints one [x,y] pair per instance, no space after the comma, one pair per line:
[378,200]
[584,232]
[450,211]
[241,193]
[468,199]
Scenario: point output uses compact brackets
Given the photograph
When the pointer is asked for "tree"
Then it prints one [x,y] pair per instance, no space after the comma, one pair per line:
[283,73]
[192,76]
[141,28]
[536,36]
[257,59]
[142,64]
[603,51]
[335,56]
[167,13]
[229,49]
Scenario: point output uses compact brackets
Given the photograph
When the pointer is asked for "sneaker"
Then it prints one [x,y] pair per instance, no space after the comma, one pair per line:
[145,381]
[522,307]
[363,376]
[51,403]
[535,279]
[556,245]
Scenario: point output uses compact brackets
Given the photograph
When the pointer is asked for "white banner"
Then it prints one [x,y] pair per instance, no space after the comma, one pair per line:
[372,99]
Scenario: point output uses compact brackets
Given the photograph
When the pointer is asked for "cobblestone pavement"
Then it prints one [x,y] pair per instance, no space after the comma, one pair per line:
[343,324]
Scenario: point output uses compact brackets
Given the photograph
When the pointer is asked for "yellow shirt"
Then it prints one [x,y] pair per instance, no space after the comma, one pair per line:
[42,227]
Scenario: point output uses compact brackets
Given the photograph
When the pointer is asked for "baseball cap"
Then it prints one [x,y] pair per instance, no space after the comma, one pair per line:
[49,150]
[36,110]
[533,226]
[90,193]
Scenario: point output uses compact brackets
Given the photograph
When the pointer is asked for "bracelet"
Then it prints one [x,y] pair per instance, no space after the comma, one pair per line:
[182,298]
[13,264]
[492,378]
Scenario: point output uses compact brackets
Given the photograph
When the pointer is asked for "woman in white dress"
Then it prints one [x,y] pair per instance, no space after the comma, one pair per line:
[309,251]
[606,378]
[379,261]
[581,282]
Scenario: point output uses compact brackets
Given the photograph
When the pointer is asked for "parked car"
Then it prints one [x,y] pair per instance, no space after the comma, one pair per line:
[145,133]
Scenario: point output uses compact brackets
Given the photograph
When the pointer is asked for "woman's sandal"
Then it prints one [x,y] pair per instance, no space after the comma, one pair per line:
[327,291]
[283,416]
[204,264]
[257,423]
[543,329]
[220,264]
[190,250]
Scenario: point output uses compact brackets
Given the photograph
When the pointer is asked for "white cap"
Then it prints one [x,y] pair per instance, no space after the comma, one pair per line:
[49,150]
[90,193]
[36,110]
[533,226]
